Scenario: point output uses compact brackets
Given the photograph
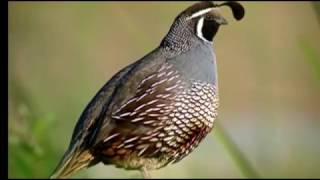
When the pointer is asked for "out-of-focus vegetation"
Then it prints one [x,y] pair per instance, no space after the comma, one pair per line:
[61,53]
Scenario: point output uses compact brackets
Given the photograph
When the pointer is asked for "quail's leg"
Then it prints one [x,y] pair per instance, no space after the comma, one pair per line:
[145,173]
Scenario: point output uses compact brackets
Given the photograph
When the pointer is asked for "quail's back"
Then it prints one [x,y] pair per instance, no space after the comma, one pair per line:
[158,109]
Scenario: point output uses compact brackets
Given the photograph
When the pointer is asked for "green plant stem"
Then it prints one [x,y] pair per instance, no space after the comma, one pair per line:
[311,56]
[235,153]
[316,7]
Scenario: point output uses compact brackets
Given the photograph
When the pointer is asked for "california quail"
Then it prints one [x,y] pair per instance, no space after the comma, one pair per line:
[158,109]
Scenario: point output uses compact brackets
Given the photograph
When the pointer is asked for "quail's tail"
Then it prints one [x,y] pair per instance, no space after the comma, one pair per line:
[72,162]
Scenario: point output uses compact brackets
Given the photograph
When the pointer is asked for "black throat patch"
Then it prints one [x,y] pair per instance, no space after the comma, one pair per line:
[209,29]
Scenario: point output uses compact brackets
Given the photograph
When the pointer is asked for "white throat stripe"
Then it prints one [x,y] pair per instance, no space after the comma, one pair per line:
[199,30]
[204,11]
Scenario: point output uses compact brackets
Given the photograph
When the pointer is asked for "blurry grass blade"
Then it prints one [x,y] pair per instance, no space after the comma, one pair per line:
[41,126]
[21,162]
[235,153]
[20,95]
[316,6]
[311,56]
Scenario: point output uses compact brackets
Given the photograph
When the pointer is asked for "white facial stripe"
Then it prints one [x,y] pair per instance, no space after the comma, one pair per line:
[199,30]
[204,11]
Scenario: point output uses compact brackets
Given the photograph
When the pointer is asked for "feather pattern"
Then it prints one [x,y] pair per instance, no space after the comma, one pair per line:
[171,121]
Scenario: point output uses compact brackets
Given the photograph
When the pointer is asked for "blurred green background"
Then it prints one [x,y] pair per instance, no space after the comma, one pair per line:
[61,53]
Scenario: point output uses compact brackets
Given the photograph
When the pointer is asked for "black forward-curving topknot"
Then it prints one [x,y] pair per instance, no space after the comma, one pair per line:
[237,9]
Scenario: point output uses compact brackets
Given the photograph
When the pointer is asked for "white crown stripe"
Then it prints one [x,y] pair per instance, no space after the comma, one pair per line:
[199,13]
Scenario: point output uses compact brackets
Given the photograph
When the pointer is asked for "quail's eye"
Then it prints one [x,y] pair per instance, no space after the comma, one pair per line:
[207,17]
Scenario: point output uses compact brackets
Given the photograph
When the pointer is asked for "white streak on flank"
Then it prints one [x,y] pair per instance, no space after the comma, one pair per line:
[161,74]
[131,139]
[148,90]
[137,119]
[130,101]
[172,87]
[153,115]
[140,107]
[146,138]
[169,66]
[148,122]
[133,113]
[152,91]
[143,95]
[116,117]
[158,149]
[110,137]
[159,95]
[199,13]
[153,101]
[159,82]
[128,146]
[156,130]
[170,79]
[142,150]
[144,80]
[161,105]
[143,114]
[153,109]
[154,139]
[165,96]
[120,146]
[169,73]
[199,30]
[125,114]
[162,68]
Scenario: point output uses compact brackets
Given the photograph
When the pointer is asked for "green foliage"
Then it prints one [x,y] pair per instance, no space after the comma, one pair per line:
[312,57]
[30,149]
[316,6]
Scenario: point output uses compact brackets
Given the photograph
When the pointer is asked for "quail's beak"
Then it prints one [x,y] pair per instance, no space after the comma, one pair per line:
[221,20]
[218,18]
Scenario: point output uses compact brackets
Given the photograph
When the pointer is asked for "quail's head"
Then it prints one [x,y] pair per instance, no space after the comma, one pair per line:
[200,21]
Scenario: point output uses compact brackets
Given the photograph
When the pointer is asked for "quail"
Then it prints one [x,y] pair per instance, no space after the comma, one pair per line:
[157,110]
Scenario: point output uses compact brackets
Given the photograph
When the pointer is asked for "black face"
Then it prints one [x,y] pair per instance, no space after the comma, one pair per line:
[209,29]
[206,26]
[206,19]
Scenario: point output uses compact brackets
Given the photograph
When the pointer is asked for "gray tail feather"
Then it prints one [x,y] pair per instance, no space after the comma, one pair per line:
[72,162]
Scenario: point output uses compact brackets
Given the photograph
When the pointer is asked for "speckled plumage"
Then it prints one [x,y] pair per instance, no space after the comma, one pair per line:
[158,109]
[171,119]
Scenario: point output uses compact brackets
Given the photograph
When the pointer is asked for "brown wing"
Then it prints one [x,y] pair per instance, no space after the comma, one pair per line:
[153,98]
[139,123]
[163,117]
